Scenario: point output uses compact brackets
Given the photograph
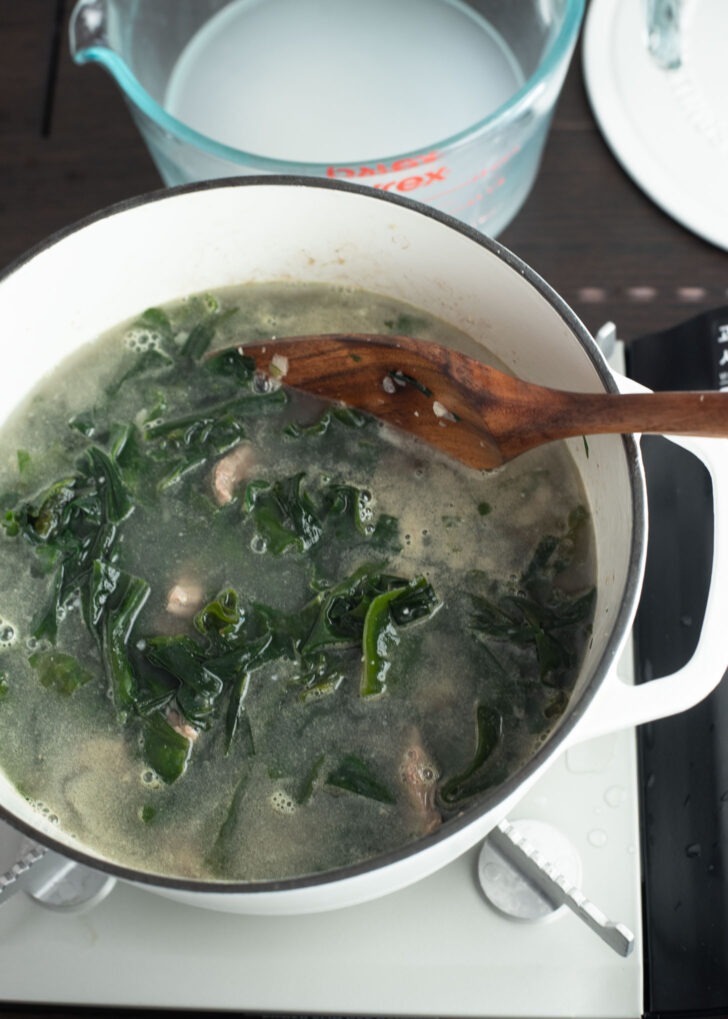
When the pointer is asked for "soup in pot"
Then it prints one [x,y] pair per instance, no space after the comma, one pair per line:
[245,635]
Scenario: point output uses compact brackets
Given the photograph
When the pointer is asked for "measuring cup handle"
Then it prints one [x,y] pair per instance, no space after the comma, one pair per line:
[618,704]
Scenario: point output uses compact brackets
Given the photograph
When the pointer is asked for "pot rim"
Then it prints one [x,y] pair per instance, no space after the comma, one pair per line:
[621,623]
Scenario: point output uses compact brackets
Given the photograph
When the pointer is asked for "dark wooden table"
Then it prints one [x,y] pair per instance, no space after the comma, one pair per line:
[68,147]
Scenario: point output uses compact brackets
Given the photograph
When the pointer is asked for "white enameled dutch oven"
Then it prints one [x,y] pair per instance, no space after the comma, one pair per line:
[161,247]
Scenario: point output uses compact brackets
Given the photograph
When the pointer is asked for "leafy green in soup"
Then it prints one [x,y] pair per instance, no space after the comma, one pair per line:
[246,635]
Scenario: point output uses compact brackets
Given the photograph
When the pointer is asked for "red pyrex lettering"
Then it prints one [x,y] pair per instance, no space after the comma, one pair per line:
[417,181]
[374,171]
[411,183]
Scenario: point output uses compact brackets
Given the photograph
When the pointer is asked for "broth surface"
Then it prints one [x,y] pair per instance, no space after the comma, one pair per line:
[339,637]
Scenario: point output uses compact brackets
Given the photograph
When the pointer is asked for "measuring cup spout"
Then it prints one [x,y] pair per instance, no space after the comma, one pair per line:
[94,35]
[91,37]
[96,30]
[89,29]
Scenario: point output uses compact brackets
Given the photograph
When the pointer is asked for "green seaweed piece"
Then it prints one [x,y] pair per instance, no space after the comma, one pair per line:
[44,624]
[379,638]
[221,618]
[476,777]
[199,687]
[165,750]
[52,513]
[347,510]
[417,601]
[115,497]
[10,517]
[238,728]
[200,337]
[350,416]
[59,671]
[224,845]
[342,609]
[320,426]
[232,364]
[147,362]
[338,413]
[284,515]
[536,613]
[321,675]
[354,776]
[115,626]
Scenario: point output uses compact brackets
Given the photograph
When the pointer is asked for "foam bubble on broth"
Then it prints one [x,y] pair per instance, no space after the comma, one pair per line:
[140,340]
[8,634]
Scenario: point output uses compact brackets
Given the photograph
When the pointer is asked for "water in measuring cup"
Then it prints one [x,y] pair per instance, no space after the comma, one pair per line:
[340,80]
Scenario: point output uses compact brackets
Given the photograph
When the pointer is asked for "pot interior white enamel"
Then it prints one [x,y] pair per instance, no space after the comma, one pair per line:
[161,248]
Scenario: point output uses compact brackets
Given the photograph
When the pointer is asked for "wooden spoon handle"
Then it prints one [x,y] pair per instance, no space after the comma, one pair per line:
[683,413]
[542,415]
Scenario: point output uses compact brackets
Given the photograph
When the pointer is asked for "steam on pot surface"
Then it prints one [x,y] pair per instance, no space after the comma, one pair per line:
[247,636]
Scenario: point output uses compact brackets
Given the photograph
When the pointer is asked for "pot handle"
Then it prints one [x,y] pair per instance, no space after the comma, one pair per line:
[619,704]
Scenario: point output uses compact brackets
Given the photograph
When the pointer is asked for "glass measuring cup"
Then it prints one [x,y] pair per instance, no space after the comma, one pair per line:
[445,101]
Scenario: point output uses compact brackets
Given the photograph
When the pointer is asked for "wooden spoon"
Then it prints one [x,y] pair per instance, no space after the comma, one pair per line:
[475,413]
